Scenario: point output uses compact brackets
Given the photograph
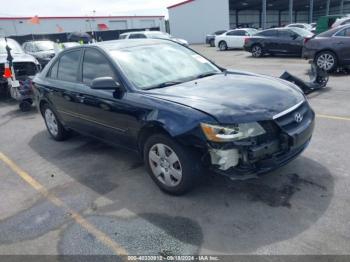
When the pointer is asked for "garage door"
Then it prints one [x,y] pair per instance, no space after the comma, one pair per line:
[147,23]
[118,25]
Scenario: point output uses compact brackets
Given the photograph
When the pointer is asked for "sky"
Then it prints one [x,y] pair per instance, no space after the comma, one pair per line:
[85,7]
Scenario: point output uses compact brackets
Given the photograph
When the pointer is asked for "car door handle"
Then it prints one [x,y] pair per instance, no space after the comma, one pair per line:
[340,43]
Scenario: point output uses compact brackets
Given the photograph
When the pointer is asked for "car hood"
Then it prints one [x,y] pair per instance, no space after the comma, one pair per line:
[18,58]
[234,98]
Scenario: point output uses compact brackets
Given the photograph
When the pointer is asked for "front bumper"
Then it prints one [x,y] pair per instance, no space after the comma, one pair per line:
[260,158]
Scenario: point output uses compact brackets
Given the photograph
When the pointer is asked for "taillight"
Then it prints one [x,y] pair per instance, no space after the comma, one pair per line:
[246,40]
[306,39]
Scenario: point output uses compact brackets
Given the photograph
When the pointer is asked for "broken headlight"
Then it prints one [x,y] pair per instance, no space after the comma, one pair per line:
[216,133]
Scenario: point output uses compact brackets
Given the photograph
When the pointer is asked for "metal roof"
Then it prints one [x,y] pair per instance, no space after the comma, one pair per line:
[298,5]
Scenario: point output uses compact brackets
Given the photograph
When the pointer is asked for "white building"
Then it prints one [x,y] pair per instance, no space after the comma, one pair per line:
[194,19]
[50,25]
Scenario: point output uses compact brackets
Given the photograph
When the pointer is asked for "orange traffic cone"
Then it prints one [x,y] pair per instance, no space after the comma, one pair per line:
[7,72]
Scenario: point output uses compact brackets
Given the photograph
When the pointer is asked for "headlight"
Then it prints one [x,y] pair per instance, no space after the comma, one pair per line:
[231,133]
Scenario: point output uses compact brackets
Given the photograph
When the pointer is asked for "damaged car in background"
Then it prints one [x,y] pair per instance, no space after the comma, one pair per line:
[24,65]
[184,114]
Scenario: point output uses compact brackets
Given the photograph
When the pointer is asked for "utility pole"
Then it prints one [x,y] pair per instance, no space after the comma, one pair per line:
[327,7]
[342,7]
[263,14]
[311,11]
[290,11]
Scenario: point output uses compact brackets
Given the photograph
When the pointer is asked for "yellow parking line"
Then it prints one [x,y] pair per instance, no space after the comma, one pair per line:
[334,117]
[102,237]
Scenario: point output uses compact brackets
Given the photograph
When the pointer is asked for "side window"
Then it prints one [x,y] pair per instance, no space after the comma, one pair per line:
[122,36]
[53,70]
[232,33]
[344,33]
[271,33]
[68,66]
[95,65]
[285,34]
[29,47]
[136,36]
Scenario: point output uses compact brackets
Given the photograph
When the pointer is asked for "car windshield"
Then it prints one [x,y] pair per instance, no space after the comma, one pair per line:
[45,45]
[15,47]
[301,32]
[160,65]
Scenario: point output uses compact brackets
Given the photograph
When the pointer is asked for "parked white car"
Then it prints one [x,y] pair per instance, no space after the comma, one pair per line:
[152,34]
[341,21]
[304,26]
[234,38]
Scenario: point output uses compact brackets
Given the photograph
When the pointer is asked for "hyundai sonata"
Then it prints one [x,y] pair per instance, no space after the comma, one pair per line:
[179,110]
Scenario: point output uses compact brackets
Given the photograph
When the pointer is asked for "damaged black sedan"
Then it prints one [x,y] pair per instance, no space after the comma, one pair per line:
[179,110]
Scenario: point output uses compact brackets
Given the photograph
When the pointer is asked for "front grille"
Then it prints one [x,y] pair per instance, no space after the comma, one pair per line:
[21,69]
[287,122]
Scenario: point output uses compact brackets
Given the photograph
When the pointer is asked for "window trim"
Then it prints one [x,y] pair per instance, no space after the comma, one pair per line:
[81,78]
[59,62]
[48,74]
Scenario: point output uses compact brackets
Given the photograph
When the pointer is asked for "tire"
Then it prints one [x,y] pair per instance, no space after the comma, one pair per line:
[53,124]
[327,61]
[257,51]
[173,167]
[25,105]
[212,43]
[223,46]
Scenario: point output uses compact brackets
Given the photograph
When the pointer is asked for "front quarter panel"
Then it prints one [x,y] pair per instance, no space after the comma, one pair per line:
[177,120]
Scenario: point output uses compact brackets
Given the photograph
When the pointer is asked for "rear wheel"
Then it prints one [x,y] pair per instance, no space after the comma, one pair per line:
[223,46]
[173,167]
[326,60]
[257,51]
[53,124]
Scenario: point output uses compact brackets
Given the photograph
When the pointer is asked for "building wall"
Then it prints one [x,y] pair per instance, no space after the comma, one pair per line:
[194,20]
[21,26]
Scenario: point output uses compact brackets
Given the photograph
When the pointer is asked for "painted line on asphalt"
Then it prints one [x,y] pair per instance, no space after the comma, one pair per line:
[101,236]
[334,117]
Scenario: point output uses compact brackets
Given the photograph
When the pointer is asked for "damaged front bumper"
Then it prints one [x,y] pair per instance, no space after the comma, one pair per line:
[285,140]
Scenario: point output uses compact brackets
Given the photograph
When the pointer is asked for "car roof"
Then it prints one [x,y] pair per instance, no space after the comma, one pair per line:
[141,32]
[127,43]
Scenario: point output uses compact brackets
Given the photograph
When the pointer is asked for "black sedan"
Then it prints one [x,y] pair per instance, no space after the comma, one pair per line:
[287,41]
[181,112]
[330,49]
[210,39]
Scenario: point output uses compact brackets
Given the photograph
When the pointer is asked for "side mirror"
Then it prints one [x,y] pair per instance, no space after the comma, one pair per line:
[105,83]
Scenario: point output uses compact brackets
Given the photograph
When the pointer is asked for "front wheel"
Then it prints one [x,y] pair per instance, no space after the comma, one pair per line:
[327,61]
[173,167]
[257,51]
[53,124]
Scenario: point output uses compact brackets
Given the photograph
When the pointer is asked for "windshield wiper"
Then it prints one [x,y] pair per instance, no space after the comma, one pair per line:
[165,84]
[207,74]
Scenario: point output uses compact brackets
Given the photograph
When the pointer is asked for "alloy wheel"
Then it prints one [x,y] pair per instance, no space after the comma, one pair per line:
[165,165]
[256,51]
[326,61]
[51,122]
[223,46]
